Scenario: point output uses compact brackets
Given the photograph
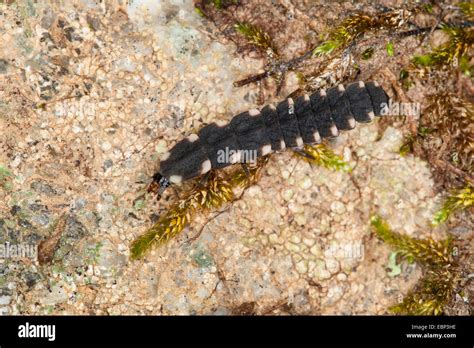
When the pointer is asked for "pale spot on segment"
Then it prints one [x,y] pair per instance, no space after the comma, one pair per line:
[176,179]
[282,145]
[221,123]
[165,156]
[254,112]
[316,137]
[192,138]
[352,122]
[205,166]
[350,118]
[266,149]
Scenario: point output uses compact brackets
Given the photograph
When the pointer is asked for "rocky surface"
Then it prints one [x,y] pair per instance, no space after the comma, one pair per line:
[91,95]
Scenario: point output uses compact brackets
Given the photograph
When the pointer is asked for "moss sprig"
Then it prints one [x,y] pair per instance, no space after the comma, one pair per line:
[213,194]
[357,25]
[455,52]
[459,199]
[202,6]
[425,251]
[321,155]
[440,277]
[467,9]
[452,119]
[216,191]
[257,36]
[434,292]
[245,177]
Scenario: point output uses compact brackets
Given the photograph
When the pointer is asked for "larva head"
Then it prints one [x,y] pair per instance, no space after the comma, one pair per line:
[158,185]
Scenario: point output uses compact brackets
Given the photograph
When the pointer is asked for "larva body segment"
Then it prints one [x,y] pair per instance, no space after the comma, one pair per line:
[290,124]
[270,118]
[377,96]
[340,108]
[215,136]
[251,132]
[306,120]
[188,158]
[361,104]
[322,115]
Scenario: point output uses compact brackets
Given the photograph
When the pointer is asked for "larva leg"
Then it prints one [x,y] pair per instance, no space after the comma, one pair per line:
[303,153]
[246,170]
[204,179]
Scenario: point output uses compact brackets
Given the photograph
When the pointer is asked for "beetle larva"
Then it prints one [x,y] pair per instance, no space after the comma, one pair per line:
[290,124]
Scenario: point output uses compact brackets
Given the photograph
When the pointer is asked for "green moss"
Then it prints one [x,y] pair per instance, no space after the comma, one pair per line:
[454,53]
[467,8]
[389,49]
[427,252]
[410,139]
[202,6]
[458,200]
[203,197]
[368,53]
[449,120]
[322,156]
[214,193]
[354,27]
[436,289]
[407,146]
[428,8]
[199,11]
[405,79]
[326,48]
[404,74]
[256,36]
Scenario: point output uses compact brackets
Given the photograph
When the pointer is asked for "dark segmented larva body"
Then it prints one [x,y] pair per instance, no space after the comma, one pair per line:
[290,124]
